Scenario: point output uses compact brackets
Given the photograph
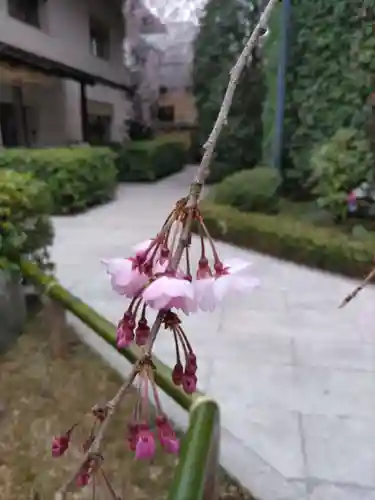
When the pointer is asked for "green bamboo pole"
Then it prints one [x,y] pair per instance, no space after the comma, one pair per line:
[104,328]
[196,475]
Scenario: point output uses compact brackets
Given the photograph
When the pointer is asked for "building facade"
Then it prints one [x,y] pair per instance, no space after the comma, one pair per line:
[62,74]
[175,104]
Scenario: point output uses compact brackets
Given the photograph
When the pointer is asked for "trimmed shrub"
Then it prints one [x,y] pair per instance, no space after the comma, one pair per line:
[287,238]
[339,166]
[250,190]
[25,226]
[78,178]
[147,161]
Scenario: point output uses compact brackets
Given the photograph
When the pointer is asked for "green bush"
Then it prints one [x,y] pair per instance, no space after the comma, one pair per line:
[253,190]
[147,161]
[25,226]
[329,89]
[78,178]
[290,239]
[337,167]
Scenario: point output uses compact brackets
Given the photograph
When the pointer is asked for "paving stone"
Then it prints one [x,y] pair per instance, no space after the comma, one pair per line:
[285,364]
[340,449]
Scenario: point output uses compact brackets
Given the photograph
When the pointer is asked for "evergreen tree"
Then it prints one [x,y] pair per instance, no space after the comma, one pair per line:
[225,27]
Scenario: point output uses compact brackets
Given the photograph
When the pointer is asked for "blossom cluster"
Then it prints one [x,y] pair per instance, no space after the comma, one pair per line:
[162,275]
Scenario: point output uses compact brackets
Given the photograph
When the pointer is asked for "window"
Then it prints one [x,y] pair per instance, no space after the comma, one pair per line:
[99,39]
[99,129]
[166,113]
[26,11]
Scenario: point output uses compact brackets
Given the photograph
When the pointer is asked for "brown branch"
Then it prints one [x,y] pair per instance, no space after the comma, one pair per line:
[358,289]
[203,169]
[94,449]
[235,74]
[193,199]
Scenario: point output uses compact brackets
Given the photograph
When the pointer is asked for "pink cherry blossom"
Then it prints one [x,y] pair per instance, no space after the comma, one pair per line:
[143,246]
[60,444]
[211,287]
[145,445]
[125,331]
[167,436]
[169,292]
[126,279]
[233,275]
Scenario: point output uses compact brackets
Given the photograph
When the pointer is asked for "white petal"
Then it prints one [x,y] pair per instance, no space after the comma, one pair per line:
[221,286]
[204,294]
[181,288]
[156,289]
[120,270]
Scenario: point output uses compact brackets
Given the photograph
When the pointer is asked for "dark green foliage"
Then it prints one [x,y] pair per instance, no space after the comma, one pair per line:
[330,75]
[78,178]
[339,166]
[147,161]
[253,190]
[25,226]
[288,238]
[225,27]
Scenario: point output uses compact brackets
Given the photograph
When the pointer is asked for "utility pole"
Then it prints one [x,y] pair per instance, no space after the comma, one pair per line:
[278,145]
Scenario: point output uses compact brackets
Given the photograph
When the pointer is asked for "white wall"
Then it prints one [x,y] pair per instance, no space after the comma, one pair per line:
[65,36]
[47,115]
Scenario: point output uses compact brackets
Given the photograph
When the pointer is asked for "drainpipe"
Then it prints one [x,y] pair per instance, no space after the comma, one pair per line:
[281,84]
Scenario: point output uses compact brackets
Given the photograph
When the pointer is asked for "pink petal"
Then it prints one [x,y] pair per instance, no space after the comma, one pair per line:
[205,294]
[120,270]
[143,246]
[145,447]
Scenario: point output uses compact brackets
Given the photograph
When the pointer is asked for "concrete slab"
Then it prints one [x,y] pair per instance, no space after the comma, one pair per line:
[294,375]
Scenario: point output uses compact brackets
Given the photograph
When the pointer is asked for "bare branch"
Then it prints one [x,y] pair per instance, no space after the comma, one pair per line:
[235,74]
[94,449]
[358,289]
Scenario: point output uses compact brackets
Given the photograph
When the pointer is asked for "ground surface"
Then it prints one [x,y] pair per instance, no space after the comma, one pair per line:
[295,376]
[43,395]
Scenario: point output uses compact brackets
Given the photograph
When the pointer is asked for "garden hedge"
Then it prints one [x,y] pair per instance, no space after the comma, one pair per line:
[286,238]
[78,178]
[25,226]
[330,73]
[147,161]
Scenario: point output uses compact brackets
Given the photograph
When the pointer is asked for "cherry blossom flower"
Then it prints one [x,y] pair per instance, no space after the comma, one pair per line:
[166,435]
[145,446]
[60,444]
[126,278]
[211,286]
[141,439]
[169,292]
[125,331]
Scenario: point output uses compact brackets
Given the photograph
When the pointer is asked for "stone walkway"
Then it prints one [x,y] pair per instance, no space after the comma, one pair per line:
[295,376]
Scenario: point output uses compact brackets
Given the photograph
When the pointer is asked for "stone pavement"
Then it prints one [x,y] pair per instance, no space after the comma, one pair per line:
[295,377]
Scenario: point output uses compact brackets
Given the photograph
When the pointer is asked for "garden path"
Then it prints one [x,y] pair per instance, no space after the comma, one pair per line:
[294,375]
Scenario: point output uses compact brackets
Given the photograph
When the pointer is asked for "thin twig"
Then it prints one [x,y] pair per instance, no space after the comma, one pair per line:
[203,169]
[95,446]
[235,74]
[358,289]
[193,199]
